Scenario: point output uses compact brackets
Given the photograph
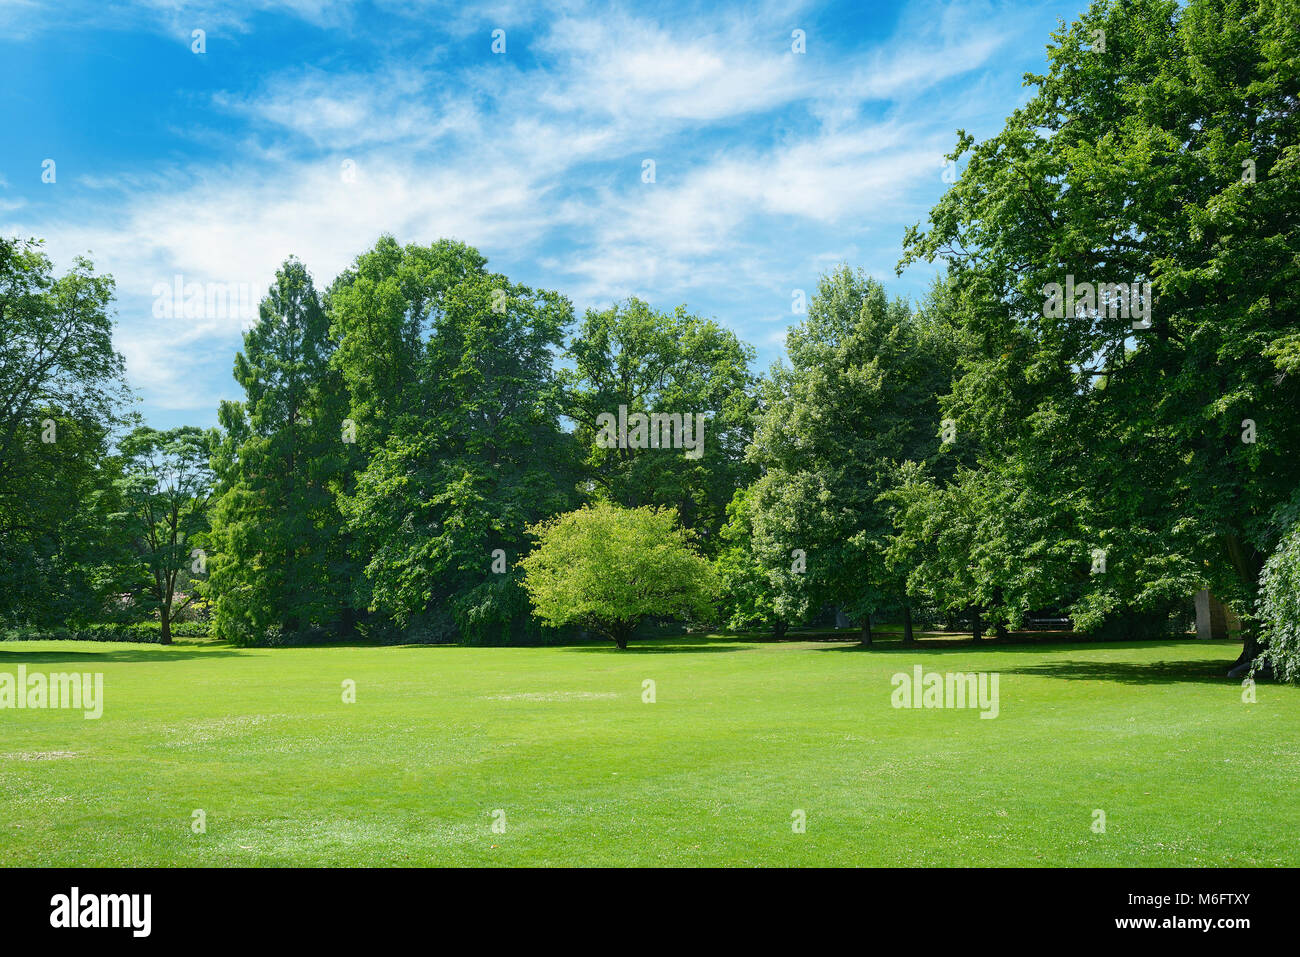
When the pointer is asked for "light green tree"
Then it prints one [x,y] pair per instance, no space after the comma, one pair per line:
[606,568]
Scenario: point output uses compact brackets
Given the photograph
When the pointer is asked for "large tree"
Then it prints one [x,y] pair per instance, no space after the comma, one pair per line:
[280,556]
[61,392]
[1159,147]
[457,410]
[859,397]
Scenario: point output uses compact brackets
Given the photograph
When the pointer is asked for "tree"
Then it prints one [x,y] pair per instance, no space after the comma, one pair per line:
[457,411]
[647,361]
[1279,598]
[61,390]
[166,486]
[746,596]
[280,556]
[860,395]
[606,568]
[1169,157]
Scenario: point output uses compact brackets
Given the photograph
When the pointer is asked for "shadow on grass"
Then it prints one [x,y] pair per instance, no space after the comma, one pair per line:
[1200,671]
[662,646]
[88,654]
[1133,672]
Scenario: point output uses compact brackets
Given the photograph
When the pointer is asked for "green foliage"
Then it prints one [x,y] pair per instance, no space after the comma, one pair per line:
[457,409]
[651,361]
[1279,608]
[606,568]
[142,632]
[280,560]
[1130,166]
[859,397]
[61,389]
[165,488]
[497,612]
[746,596]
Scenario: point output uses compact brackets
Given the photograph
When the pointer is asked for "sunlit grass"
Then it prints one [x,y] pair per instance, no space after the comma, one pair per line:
[741,735]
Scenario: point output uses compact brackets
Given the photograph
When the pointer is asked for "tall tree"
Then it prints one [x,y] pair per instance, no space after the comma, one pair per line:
[280,559]
[859,397]
[61,394]
[457,410]
[1160,147]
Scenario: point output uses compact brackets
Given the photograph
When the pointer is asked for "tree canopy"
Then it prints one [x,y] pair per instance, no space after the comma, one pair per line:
[606,568]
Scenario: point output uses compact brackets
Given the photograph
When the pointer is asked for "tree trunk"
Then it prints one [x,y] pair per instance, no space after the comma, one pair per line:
[620,634]
[907,622]
[346,622]
[976,624]
[866,630]
[1250,646]
[779,628]
[165,632]
[999,627]
[1249,565]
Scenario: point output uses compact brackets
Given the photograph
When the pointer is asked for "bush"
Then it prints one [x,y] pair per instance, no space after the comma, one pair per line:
[1278,608]
[498,613]
[143,632]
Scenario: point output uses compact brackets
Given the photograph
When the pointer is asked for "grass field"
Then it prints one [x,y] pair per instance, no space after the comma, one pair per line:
[741,735]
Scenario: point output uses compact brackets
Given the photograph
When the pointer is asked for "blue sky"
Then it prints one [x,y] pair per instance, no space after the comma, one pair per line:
[310,127]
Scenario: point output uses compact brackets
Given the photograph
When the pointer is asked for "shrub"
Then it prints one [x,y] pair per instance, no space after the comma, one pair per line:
[1278,608]
[143,632]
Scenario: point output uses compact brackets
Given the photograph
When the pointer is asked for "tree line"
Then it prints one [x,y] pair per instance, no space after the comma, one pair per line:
[409,433]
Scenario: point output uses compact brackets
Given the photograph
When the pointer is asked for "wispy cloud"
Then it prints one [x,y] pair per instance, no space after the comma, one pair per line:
[767,162]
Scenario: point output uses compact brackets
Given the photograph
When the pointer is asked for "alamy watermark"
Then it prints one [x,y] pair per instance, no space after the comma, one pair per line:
[1113,299]
[923,689]
[133,912]
[179,299]
[653,430]
[82,691]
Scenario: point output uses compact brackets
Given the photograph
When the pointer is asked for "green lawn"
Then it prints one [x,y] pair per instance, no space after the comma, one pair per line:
[742,734]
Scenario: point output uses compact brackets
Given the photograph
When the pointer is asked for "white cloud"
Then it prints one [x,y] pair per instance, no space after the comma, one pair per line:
[766,162]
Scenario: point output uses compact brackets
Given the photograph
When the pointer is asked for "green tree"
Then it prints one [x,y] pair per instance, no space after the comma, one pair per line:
[1171,157]
[746,596]
[165,488]
[61,392]
[1278,608]
[280,557]
[860,396]
[457,411]
[649,361]
[606,568]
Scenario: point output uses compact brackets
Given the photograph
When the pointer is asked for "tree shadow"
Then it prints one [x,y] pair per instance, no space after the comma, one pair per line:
[659,646]
[1196,670]
[91,655]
